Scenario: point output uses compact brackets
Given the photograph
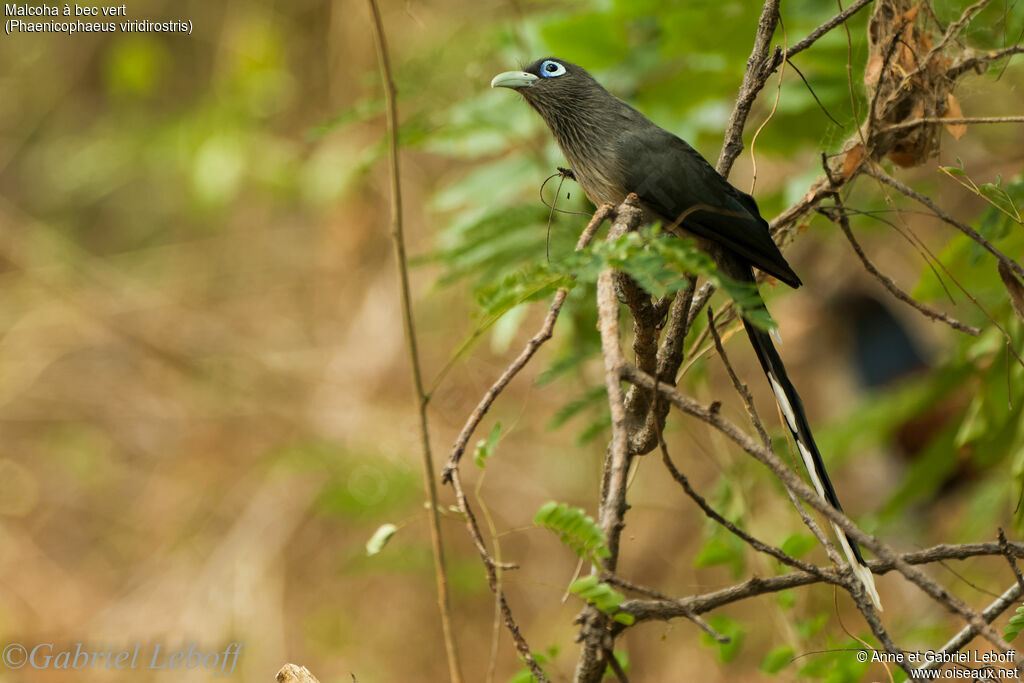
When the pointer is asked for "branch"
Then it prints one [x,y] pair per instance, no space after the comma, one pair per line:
[876,172]
[844,223]
[491,568]
[792,481]
[976,63]
[754,79]
[953,121]
[817,33]
[673,608]
[409,325]
[613,580]
[713,514]
[612,509]
[966,635]
[669,358]
[1004,545]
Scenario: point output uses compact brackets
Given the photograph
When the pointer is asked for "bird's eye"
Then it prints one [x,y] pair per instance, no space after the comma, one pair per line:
[550,69]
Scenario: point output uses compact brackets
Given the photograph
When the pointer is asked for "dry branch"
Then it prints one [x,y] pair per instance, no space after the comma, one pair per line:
[670,608]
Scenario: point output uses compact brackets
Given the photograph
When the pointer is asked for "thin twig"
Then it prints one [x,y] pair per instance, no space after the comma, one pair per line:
[613,580]
[409,325]
[741,388]
[614,665]
[771,114]
[813,94]
[671,608]
[817,33]
[844,224]
[967,633]
[952,121]
[535,342]
[789,478]
[714,515]
[978,61]
[881,175]
[491,567]
[754,79]
[1004,545]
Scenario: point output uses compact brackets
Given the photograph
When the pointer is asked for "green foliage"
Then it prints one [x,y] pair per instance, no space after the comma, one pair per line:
[837,664]
[1003,212]
[602,596]
[575,528]
[777,659]
[622,657]
[354,486]
[797,545]
[1015,625]
[485,447]
[810,627]
[597,395]
[524,675]
[731,629]
[723,549]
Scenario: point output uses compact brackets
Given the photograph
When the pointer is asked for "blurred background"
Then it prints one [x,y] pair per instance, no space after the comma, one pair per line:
[204,395]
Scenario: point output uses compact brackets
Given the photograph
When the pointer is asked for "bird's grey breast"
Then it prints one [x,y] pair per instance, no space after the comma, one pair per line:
[588,135]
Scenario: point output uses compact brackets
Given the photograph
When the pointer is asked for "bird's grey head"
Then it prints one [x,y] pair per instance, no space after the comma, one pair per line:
[584,118]
[551,85]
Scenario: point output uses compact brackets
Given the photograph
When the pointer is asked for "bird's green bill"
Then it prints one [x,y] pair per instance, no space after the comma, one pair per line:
[513,79]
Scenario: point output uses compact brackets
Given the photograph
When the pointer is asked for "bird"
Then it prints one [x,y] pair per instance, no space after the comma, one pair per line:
[613,150]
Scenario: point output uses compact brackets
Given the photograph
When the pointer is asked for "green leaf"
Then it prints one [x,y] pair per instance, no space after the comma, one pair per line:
[622,657]
[798,545]
[602,596]
[786,599]
[380,538]
[732,630]
[723,548]
[594,428]
[575,528]
[524,675]
[484,448]
[777,659]
[1015,625]
[806,628]
[595,396]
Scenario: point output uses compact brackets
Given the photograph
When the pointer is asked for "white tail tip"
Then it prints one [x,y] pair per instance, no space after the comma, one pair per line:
[867,579]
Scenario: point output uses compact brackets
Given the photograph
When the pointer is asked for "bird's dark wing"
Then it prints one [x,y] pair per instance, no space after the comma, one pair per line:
[670,177]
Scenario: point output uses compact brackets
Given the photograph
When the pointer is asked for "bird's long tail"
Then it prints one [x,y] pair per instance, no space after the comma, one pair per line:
[793,410]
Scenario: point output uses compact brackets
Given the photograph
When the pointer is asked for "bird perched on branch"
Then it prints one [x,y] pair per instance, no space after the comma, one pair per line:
[614,150]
